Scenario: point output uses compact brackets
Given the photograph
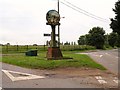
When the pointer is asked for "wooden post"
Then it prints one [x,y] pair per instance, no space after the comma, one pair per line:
[53,40]
[27,47]
[7,48]
[17,47]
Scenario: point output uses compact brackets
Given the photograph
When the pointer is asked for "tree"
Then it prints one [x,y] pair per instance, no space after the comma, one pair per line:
[82,40]
[115,23]
[74,43]
[106,40]
[112,38]
[67,43]
[71,43]
[118,41]
[88,39]
[96,37]
[8,44]
[35,45]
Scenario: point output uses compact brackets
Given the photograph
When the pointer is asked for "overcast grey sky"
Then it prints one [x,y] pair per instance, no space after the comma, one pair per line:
[24,21]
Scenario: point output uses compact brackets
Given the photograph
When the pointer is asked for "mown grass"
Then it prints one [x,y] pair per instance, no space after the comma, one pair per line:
[40,62]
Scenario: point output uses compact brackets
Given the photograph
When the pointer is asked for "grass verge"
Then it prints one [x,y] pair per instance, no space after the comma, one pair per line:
[40,62]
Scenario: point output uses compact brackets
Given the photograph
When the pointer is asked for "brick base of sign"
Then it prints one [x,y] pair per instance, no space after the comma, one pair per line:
[54,53]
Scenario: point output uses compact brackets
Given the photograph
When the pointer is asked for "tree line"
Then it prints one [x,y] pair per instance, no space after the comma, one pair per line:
[97,37]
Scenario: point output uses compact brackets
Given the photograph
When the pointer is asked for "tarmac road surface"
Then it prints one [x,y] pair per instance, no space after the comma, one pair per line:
[18,77]
[47,82]
[107,58]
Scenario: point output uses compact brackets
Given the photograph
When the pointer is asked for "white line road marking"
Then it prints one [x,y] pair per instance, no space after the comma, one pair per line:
[102,81]
[25,76]
[98,77]
[116,57]
[101,55]
[116,81]
[107,53]
[0,88]
[116,78]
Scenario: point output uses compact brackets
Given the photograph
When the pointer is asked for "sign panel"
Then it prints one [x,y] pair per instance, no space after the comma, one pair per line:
[47,34]
[50,34]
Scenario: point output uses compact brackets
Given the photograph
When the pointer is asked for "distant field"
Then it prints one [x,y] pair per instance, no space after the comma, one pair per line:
[24,48]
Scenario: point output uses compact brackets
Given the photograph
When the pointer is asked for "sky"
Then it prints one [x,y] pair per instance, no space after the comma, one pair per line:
[23,22]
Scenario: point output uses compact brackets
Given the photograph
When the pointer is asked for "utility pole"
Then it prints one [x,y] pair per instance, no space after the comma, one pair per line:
[58,27]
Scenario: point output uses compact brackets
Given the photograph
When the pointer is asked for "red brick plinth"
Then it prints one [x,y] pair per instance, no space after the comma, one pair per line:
[54,53]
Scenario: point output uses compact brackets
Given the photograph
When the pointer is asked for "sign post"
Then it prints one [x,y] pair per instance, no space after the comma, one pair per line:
[58,26]
[54,52]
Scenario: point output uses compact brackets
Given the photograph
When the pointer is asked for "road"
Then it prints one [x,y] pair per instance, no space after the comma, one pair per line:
[107,58]
[18,77]
[50,80]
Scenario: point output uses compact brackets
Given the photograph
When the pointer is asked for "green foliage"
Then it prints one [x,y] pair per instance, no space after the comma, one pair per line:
[118,41]
[96,37]
[67,43]
[82,40]
[113,38]
[77,47]
[88,39]
[106,40]
[115,23]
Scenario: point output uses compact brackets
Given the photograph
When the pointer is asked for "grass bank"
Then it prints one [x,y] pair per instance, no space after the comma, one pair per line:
[40,62]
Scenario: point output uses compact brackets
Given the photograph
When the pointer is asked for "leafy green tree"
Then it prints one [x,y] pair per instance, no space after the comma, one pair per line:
[71,43]
[112,38]
[118,41]
[115,23]
[96,37]
[82,40]
[106,40]
[74,43]
[88,39]
[67,43]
